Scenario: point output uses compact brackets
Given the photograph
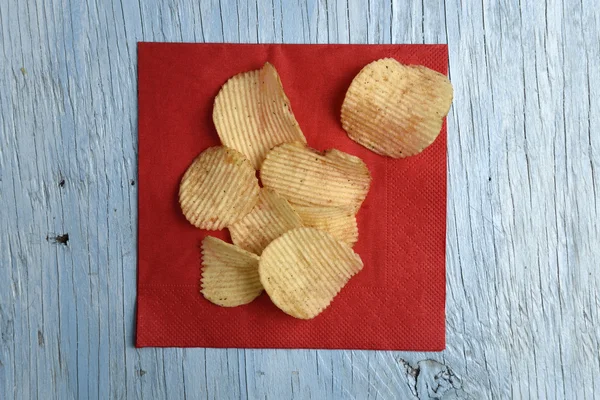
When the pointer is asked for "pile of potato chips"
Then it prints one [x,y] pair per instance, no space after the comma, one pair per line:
[293,236]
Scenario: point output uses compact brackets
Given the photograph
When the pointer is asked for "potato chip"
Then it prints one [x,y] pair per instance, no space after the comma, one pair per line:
[304,269]
[218,189]
[307,177]
[339,222]
[229,274]
[270,218]
[252,114]
[396,110]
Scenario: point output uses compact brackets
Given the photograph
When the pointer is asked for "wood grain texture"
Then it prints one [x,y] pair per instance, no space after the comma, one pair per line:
[523,200]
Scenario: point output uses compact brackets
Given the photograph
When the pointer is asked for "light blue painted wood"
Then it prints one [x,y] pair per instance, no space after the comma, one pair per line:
[523,202]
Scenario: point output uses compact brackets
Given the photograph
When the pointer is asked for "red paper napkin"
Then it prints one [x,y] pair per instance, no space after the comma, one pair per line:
[397,302]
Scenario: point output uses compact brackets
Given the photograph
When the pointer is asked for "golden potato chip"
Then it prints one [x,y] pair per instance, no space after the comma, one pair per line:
[218,189]
[339,222]
[396,110]
[304,269]
[270,218]
[229,274]
[252,114]
[307,177]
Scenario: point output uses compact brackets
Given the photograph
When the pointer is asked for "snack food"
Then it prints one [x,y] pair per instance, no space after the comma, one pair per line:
[270,218]
[252,114]
[218,189]
[396,110]
[339,222]
[229,274]
[307,177]
[304,269]
[294,236]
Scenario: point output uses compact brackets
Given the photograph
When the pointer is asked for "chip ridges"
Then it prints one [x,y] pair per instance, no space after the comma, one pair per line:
[270,218]
[218,189]
[394,109]
[307,177]
[304,269]
[229,274]
[252,114]
[339,222]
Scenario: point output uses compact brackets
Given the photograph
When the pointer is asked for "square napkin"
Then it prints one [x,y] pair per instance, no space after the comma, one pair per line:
[397,302]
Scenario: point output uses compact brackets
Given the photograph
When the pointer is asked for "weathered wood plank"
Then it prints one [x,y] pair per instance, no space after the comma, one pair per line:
[522,203]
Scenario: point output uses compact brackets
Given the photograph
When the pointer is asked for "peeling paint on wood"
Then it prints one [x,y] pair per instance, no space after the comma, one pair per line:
[523,174]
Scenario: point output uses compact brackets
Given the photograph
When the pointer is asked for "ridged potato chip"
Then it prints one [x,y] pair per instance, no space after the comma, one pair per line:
[270,218]
[229,274]
[339,222]
[252,114]
[396,110]
[304,269]
[218,189]
[307,177]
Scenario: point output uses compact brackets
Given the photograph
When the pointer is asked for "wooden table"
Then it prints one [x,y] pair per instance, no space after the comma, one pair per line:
[524,181]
